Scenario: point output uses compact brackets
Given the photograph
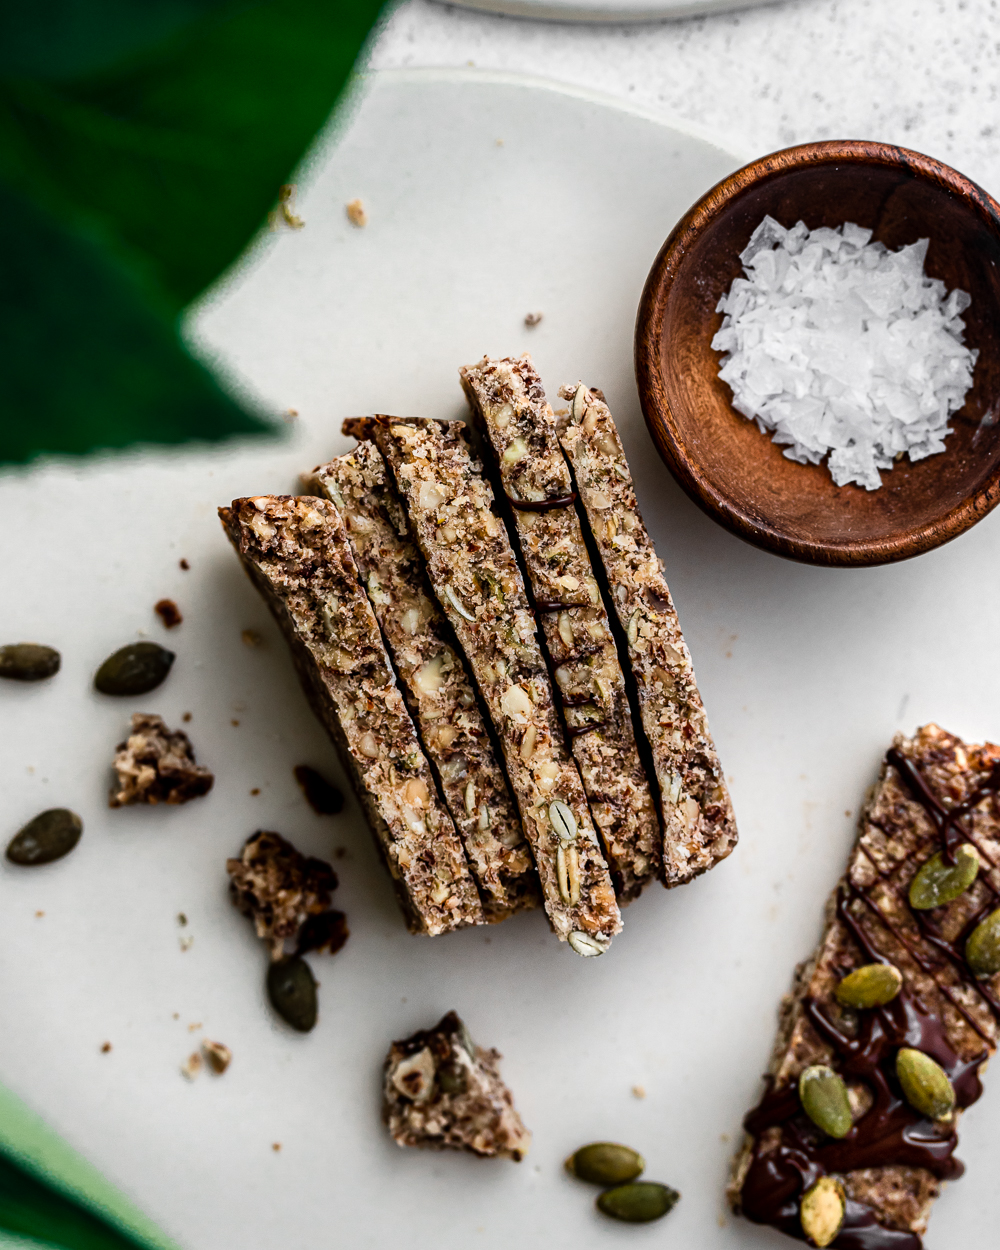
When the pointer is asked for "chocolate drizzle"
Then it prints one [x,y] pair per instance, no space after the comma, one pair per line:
[541,505]
[574,731]
[890,1132]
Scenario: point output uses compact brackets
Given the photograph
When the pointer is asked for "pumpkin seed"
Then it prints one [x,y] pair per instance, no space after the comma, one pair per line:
[926,1086]
[292,991]
[982,950]
[638,1202]
[823,1095]
[605,1163]
[872,985]
[50,836]
[135,669]
[563,821]
[822,1210]
[938,883]
[28,661]
[586,945]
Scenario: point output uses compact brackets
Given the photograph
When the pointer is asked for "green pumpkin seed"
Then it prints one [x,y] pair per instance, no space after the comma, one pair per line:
[872,985]
[135,669]
[822,1210]
[605,1163]
[925,1084]
[51,835]
[28,661]
[982,950]
[938,883]
[823,1095]
[292,991]
[638,1202]
[453,1078]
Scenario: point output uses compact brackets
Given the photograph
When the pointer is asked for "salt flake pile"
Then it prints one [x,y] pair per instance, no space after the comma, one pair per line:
[839,345]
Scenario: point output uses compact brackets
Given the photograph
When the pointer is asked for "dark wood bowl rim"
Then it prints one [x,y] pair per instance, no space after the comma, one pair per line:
[648,338]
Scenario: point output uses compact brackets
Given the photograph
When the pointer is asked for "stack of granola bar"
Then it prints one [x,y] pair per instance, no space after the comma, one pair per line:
[484,629]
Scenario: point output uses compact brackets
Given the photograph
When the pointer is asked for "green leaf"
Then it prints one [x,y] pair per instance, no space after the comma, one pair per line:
[140,150]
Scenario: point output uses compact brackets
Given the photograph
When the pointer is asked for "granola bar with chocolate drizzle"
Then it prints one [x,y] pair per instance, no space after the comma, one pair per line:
[296,553]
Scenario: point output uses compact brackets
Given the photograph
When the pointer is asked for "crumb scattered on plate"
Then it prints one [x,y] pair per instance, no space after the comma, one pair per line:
[192,1065]
[356,213]
[186,943]
[532,319]
[157,765]
[168,612]
[184,565]
[638,1091]
[276,1146]
[217,1055]
[106,1048]
[251,638]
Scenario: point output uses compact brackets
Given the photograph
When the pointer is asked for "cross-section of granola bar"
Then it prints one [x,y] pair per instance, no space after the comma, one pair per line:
[519,427]
[296,553]
[434,678]
[893,1016]
[443,1092]
[475,577]
[698,823]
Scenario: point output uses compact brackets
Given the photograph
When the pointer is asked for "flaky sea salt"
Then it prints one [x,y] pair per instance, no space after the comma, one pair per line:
[840,346]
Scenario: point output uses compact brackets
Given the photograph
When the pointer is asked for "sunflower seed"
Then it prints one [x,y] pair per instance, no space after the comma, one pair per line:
[638,1202]
[926,1086]
[292,991]
[28,661]
[568,874]
[579,402]
[456,603]
[48,837]
[822,1210]
[563,821]
[605,1163]
[823,1095]
[872,985]
[470,798]
[633,628]
[586,945]
[982,950]
[135,669]
[938,883]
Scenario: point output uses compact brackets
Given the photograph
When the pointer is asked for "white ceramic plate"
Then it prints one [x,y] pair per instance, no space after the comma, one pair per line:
[607,10]
[488,198]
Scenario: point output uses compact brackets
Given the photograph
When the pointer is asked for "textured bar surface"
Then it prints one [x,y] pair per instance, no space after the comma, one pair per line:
[436,685]
[893,1160]
[699,828]
[518,424]
[474,574]
[296,552]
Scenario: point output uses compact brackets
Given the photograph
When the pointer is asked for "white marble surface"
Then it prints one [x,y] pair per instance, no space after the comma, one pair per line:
[922,73]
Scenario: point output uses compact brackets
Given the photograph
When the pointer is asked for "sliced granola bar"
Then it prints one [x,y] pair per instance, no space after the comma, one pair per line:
[519,427]
[443,1092]
[434,679]
[296,553]
[936,798]
[157,765]
[475,577]
[698,823]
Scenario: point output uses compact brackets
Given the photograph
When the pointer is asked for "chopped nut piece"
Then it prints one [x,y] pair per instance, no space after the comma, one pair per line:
[287,896]
[295,550]
[444,1093]
[217,1056]
[699,826]
[168,612]
[157,765]
[356,213]
[532,319]
[511,411]
[435,679]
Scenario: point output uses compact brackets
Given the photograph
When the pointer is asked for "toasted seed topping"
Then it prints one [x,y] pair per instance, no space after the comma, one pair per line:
[824,1099]
[872,985]
[822,1210]
[292,991]
[638,1202]
[50,836]
[135,669]
[28,661]
[938,883]
[925,1083]
[982,950]
[606,1163]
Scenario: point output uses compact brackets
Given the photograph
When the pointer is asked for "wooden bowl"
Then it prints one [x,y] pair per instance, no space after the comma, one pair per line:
[735,473]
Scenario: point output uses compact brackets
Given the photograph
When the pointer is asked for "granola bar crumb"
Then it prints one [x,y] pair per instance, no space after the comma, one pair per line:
[251,638]
[532,319]
[157,765]
[191,1066]
[255,791]
[184,564]
[168,612]
[442,1092]
[356,214]
[106,1048]
[217,1055]
[638,1091]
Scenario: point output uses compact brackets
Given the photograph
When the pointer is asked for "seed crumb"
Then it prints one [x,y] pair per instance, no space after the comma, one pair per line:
[499,143]
[234,723]
[168,612]
[181,919]
[291,414]
[722,1221]
[184,564]
[725,1137]
[187,943]
[251,638]
[286,196]
[193,1028]
[186,717]
[638,1091]
[356,214]
[532,319]
[177,1015]
[39,915]
[218,1056]
[255,791]
[106,1048]
[847,811]
[192,1066]
[276,1146]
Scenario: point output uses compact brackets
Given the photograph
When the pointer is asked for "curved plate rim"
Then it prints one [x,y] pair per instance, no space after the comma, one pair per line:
[575,11]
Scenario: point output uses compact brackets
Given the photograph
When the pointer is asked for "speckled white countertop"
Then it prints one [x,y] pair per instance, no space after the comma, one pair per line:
[922,73]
